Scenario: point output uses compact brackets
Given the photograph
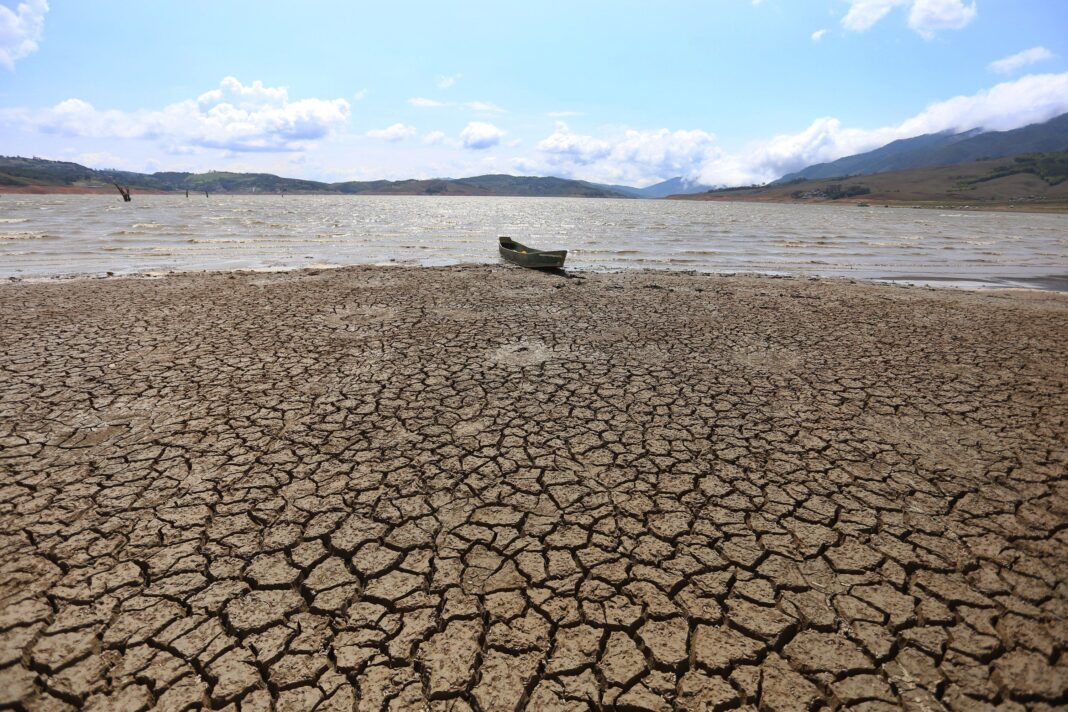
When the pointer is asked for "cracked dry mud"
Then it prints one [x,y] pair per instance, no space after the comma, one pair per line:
[488,489]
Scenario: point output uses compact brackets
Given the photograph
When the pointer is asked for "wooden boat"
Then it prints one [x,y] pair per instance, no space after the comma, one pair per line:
[529,257]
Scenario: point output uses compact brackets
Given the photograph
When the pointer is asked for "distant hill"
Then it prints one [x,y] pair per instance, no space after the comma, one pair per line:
[1028,182]
[501,185]
[41,175]
[672,186]
[943,149]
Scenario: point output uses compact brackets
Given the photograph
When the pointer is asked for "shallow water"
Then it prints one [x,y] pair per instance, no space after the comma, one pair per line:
[47,235]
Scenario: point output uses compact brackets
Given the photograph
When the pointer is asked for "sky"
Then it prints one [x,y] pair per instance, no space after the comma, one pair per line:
[721,92]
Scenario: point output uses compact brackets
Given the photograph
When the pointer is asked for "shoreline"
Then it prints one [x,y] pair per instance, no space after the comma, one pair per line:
[1052,283]
[483,484]
[1052,208]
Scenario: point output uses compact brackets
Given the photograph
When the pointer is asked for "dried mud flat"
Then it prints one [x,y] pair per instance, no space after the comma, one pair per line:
[484,488]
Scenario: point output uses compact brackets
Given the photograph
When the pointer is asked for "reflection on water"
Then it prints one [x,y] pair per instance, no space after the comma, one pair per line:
[74,234]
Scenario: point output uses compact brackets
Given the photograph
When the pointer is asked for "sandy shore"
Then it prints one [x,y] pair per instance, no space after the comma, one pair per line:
[485,488]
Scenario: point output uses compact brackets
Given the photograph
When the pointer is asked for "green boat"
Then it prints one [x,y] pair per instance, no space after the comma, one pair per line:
[529,257]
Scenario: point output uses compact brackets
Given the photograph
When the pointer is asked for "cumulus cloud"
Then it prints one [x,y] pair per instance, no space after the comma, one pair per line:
[818,35]
[1009,105]
[563,146]
[643,157]
[1018,61]
[926,17]
[20,30]
[479,136]
[636,156]
[929,16]
[232,117]
[231,92]
[434,138]
[448,82]
[394,133]
[1031,99]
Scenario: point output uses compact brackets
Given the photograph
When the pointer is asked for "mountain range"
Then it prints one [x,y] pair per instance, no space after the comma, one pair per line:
[921,152]
[19,174]
[672,186]
[1030,182]
[942,149]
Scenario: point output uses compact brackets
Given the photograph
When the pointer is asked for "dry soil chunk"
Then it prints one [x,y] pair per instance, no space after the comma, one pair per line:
[450,656]
[812,651]
[784,690]
[259,610]
[666,640]
[504,677]
[699,692]
[1027,675]
[622,661]
[719,648]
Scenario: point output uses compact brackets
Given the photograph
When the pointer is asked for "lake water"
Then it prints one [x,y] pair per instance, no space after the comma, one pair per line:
[49,235]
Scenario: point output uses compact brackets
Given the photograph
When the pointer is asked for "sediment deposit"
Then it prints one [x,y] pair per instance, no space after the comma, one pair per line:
[486,488]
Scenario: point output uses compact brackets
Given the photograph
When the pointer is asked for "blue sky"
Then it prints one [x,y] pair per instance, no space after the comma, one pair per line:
[723,91]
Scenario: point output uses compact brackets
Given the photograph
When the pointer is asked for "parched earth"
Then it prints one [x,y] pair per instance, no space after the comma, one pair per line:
[489,489]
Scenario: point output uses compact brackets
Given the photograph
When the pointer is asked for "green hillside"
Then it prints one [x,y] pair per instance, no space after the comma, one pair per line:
[943,149]
[1036,181]
[41,175]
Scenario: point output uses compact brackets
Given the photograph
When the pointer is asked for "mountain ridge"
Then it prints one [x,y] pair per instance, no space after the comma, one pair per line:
[19,174]
[672,186]
[1029,182]
[941,149]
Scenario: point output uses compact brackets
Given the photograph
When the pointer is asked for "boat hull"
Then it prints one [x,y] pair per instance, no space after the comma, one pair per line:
[524,256]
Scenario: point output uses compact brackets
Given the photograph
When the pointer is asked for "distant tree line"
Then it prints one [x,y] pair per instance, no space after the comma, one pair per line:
[833,191]
[754,186]
[1050,167]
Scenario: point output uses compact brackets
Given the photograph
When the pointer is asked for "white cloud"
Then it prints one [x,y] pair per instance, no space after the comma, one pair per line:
[564,146]
[103,160]
[633,156]
[1031,99]
[818,35]
[434,138]
[929,16]
[925,16]
[1028,100]
[424,103]
[20,30]
[1012,63]
[448,82]
[643,157]
[232,92]
[233,117]
[479,136]
[396,132]
[563,114]
[360,95]
[484,106]
[863,14]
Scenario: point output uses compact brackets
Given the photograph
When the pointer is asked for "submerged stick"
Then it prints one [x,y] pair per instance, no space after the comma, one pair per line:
[125,193]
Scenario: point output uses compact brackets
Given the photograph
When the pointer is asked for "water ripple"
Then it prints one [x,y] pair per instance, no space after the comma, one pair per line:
[93,234]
